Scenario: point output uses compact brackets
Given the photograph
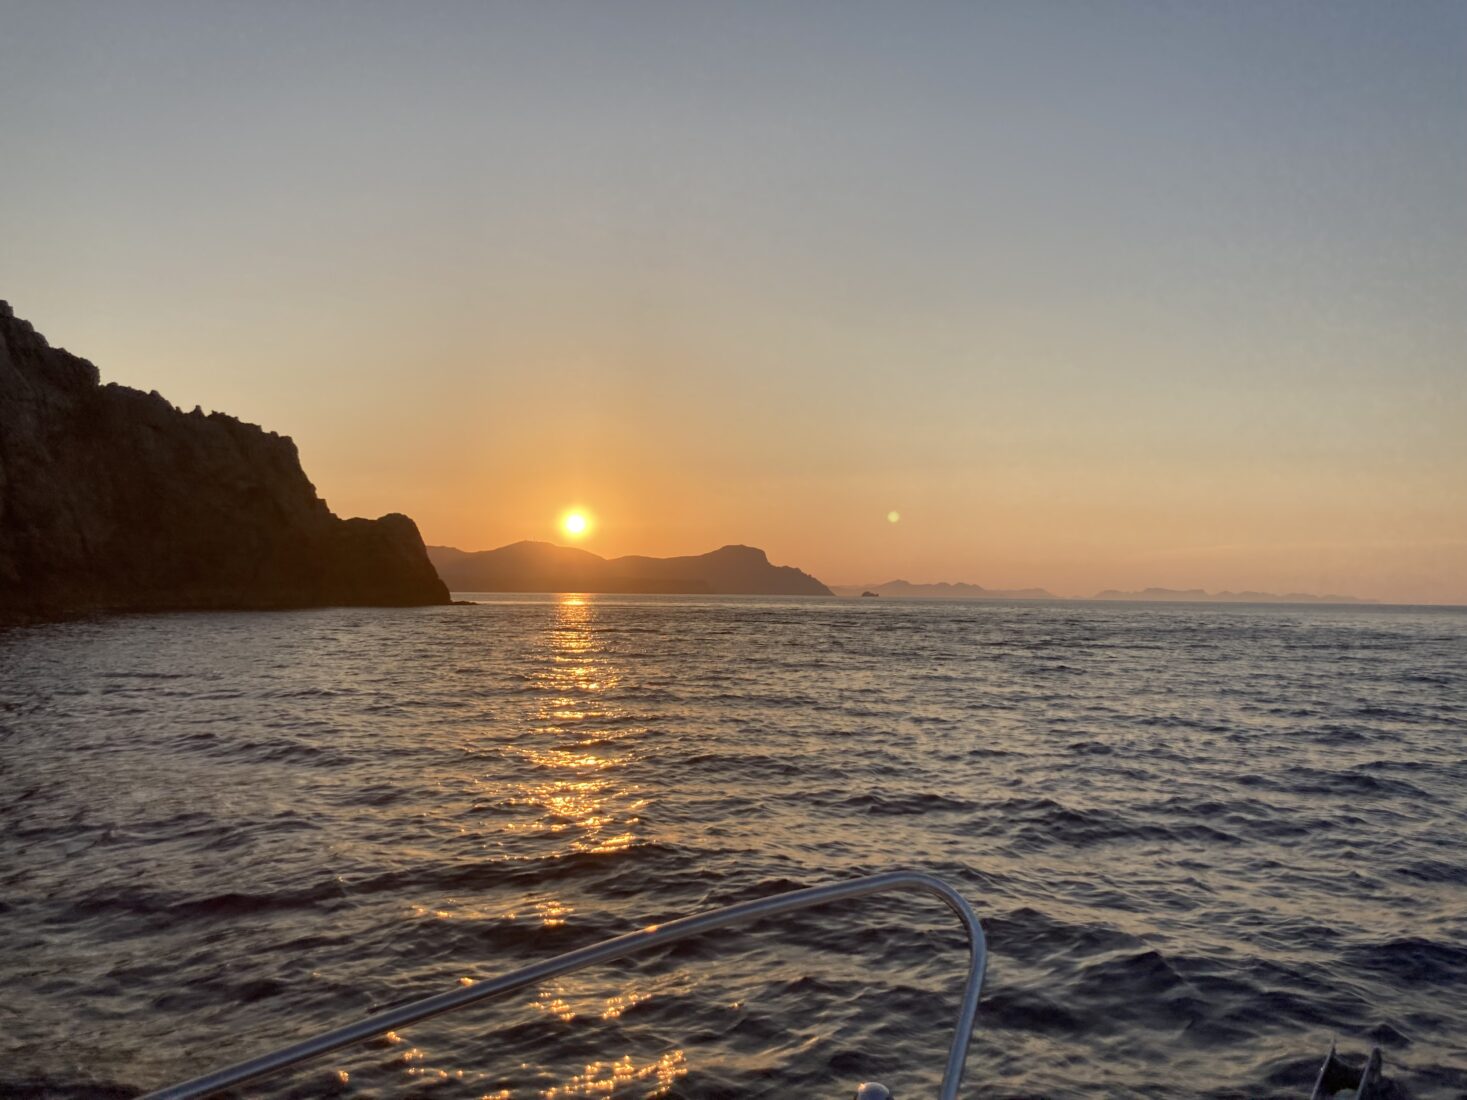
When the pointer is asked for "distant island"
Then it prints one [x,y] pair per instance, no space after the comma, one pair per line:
[1197,595]
[960,591]
[941,591]
[544,567]
[111,499]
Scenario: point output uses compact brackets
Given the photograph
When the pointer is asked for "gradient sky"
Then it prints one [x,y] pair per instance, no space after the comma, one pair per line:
[1095,295]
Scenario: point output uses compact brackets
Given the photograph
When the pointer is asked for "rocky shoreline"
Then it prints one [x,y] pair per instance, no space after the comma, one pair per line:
[112,499]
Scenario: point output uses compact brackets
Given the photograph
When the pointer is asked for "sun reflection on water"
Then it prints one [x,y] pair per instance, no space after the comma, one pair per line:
[555,999]
[578,786]
[574,785]
[605,1078]
[624,1076]
[615,1006]
[550,1001]
[552,912]
[570,793]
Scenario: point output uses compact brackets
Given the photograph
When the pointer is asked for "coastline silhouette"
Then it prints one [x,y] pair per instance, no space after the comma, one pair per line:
[543,567]
[114,500]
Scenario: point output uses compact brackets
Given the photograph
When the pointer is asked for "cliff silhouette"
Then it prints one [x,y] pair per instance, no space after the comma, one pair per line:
[111,499]
[544,567]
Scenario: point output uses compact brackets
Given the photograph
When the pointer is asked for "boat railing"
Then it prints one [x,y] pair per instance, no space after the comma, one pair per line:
[652,936]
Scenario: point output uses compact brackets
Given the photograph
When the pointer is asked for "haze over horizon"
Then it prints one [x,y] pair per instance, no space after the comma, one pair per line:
[573,544]
[1093,298]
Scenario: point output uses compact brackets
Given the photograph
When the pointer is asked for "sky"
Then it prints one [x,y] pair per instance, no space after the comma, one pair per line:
[1092,295]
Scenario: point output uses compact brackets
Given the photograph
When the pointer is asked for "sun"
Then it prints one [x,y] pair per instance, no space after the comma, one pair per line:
[575,523]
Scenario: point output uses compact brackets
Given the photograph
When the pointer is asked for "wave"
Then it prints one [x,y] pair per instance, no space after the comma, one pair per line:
[1201,843]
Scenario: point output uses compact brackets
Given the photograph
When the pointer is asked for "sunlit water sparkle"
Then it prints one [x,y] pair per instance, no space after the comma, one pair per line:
[1204,841]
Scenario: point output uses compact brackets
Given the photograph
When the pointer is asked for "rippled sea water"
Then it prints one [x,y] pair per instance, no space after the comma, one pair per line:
[1204,842]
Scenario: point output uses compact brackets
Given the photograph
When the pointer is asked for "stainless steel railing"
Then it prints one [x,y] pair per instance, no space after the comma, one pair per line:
[605,951]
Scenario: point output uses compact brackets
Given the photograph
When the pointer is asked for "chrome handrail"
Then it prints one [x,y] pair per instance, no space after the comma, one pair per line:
[652,936]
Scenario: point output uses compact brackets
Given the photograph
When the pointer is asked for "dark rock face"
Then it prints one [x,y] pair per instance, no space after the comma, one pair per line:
[542,567]
[113,500]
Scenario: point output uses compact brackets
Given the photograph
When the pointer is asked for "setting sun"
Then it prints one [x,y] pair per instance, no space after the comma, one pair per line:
[575,523]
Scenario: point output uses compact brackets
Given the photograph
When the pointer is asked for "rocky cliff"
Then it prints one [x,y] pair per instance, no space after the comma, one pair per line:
[542,567]
[113,500]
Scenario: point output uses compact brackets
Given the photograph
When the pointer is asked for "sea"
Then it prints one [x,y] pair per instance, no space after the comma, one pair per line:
[1205,843]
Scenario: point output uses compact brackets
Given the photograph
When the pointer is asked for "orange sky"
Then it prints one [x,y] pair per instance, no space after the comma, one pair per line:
[1155,296]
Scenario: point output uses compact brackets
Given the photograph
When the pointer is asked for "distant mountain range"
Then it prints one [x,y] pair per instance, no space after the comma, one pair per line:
[906,590]
[746,570]
[1197,595]
[946,591]
[544,567]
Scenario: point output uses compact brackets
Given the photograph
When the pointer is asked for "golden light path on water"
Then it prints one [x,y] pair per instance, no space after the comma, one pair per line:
[579,794]
[1156,810]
